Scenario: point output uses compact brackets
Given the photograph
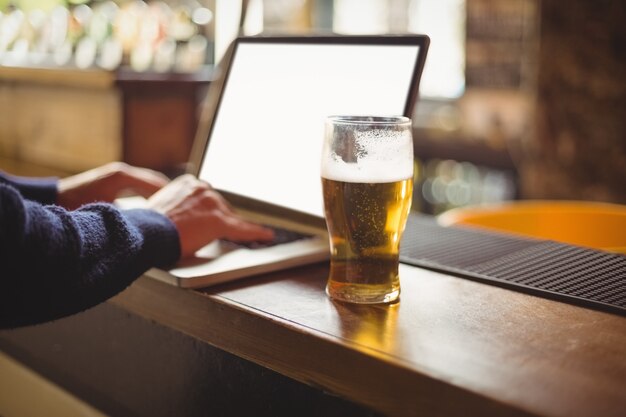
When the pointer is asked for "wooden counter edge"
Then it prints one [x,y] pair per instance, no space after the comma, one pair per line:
[284,347]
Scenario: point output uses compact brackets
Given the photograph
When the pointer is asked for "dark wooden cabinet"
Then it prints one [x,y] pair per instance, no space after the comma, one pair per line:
[160,117]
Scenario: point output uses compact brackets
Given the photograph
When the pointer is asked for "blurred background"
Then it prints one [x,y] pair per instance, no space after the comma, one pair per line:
[519,98]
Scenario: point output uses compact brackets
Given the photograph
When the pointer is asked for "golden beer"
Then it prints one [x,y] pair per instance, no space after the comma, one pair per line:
[367,183]
[365,222]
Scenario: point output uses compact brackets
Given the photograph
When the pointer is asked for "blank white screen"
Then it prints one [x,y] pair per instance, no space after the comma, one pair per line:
[267,136]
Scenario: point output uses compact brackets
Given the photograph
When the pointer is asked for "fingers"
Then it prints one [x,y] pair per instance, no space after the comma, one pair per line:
[214,200]
[237,229]
[143,181]
[201,215]
[108,182]
[233,227]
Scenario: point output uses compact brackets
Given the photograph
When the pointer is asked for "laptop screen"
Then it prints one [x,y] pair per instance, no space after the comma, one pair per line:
[266,137]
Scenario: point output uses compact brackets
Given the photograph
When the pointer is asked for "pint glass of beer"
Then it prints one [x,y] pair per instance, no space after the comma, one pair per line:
[367,181]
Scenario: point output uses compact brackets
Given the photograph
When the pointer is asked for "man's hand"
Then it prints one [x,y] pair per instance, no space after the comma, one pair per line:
[106,183]
[201,215]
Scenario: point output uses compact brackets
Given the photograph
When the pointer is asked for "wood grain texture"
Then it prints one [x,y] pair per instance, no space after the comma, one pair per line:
[48,123]
[450,347]
[71,129]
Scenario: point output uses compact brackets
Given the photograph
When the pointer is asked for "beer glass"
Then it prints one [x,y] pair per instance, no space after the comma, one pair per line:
[367,182]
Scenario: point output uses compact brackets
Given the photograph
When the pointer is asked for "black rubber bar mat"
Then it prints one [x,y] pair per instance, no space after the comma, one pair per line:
[568,273]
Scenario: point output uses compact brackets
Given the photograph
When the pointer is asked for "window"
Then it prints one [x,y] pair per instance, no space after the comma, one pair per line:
[442,20]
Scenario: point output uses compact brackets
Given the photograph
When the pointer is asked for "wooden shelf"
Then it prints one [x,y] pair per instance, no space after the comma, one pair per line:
[58,76]
[71,120]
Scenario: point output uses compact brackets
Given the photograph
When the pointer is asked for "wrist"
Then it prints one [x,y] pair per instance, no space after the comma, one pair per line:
[161,238]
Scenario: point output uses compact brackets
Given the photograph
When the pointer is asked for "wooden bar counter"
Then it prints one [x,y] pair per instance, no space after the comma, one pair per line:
[449,347]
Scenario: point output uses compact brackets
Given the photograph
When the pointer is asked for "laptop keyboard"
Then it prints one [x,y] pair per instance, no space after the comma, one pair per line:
[280,236]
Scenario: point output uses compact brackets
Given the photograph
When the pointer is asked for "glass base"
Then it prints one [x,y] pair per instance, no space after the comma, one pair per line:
[362,293]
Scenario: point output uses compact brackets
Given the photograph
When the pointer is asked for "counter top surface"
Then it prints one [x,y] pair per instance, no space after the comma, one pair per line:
[449,347]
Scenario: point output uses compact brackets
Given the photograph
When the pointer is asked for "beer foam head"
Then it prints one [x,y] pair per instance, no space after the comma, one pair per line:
[377,156]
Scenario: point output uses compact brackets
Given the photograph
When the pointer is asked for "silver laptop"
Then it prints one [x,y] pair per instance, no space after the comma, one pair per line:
[262,141]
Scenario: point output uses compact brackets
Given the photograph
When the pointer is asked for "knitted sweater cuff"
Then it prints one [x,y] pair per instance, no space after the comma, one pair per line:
[161,244]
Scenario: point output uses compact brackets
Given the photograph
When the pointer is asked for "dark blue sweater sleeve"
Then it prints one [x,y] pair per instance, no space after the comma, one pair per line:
[43,190]
[55,262]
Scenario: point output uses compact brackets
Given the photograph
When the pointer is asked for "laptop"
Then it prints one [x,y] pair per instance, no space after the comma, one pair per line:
[263,131]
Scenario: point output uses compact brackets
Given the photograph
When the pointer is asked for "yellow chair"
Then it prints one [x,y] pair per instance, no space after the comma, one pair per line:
[590,224]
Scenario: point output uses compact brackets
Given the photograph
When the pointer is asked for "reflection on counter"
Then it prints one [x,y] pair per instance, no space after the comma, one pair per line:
[145,36]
